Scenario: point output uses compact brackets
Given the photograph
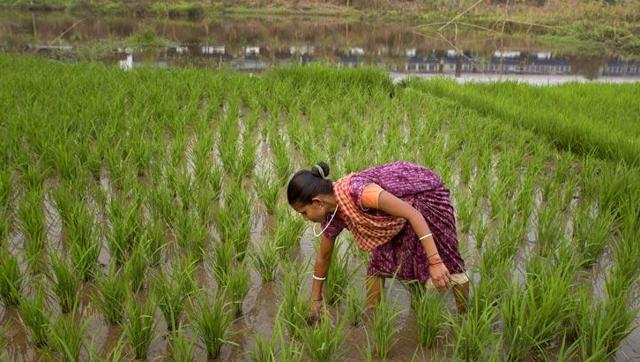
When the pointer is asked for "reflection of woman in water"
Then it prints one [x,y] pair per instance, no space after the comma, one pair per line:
[400,212]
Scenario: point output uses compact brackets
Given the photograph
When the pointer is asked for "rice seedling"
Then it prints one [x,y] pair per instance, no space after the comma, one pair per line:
[246,162]
[172,291]
[221,260]
[32,219]
[111,294]
[66,283]
[233,219]
[66,337]
[384,329]
[162,204]
[85,246]
[354,307]
[431,308]
[268,192]
[125,229]
[154,240]
[235,281]
[294,308]
[140,325]
[288,231]
[533,317]
[33,316]
[11,279]
[472,334]
[135,268]
[324,339]
[591,234]
[211,319]
[191,234]
[181,347]
[265,259]
[281,162]
[338,276]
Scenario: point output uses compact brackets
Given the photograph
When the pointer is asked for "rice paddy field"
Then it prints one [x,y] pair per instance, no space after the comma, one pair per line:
[143,215]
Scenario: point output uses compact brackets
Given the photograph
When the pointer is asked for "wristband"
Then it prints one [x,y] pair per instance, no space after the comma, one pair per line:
[425,236]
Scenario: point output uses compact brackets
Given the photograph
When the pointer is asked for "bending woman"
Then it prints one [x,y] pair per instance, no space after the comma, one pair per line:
[399,212]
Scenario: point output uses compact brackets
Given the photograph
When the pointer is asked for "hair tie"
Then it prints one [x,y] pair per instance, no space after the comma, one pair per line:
[320,170]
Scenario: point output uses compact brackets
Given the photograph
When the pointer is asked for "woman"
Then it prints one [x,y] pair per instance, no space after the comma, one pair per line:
[399,212]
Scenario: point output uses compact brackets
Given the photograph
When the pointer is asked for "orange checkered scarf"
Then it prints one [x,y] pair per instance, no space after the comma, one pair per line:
[369,231]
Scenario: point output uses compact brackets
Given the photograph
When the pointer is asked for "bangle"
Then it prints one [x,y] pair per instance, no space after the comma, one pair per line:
[318,278]
[434,254]
[317,300]
[425,236]
[436,263]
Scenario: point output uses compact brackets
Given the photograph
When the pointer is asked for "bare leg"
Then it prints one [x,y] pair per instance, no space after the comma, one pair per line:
[461,294]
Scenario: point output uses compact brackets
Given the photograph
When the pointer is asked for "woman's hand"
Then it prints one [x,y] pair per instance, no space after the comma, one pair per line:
[439,275]
[316,310]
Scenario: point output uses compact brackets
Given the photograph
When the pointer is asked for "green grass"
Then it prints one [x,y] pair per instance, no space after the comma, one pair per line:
[383,326]
[324,339]
[431,314]
[181,347]
[66,337]
[34,317]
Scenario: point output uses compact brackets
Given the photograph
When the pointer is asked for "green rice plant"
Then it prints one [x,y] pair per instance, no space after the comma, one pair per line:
[125,229]
[281,161]
[591,233]
[354,307]
[66,337]
[221,260]
[32,220]
[181,347]
[246,162]
[11,278]
[431,309]
[265,259]
[84,243]
[268,191]
[278,347]
[33,316]
[172,291]
[233,219]
[384,329]
[534,316]
[235,281]
[294,308]
[210,180]
[5,189]
[154,240]
[472,333]
[66,283]
[288,231]
[140,325]
[191,234]
[136,267]
[338,276]
[550,228]
[211,320]
[163,204]
[324,339]
[111,293]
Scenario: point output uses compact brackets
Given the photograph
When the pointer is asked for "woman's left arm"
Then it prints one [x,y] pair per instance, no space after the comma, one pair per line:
[392,205]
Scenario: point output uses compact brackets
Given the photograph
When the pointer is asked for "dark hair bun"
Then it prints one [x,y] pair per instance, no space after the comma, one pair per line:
[325,169]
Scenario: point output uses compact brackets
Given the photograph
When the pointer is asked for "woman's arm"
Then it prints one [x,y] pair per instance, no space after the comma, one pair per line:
[392,205]
[321,267]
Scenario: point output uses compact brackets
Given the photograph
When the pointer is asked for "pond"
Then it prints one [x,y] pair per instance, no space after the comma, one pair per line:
[254,44]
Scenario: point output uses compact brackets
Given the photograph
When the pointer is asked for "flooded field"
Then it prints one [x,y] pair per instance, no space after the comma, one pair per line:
[148,221]
[255,44]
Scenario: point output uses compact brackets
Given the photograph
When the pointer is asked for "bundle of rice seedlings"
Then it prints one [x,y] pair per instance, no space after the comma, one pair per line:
[140,325]
[34,317]
[431,309]
[135,268]
[66,337]
[66,283]
[384,327]
[111,294]
[11,279]
[181,347]
[211,320]
[324,339]
[265,258]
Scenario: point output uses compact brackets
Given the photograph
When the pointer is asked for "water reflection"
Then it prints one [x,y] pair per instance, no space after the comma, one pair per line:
[257,44]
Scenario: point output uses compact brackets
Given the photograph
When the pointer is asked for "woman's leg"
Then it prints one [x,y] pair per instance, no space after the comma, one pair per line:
[375,286]
[461,294]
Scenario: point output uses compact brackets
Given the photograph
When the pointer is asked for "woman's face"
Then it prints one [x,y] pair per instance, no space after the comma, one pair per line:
[311,212]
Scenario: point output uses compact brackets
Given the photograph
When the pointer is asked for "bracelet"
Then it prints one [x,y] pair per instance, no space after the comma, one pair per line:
[436,263]
[425,236]
[318,278]
[317,300]
[429,256]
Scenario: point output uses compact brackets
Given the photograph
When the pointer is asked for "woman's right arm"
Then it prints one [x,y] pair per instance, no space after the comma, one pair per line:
[321,267]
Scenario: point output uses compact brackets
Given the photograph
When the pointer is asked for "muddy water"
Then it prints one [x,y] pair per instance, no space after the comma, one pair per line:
[255,44]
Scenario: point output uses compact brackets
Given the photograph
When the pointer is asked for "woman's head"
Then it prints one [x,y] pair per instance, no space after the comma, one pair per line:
[308,191]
